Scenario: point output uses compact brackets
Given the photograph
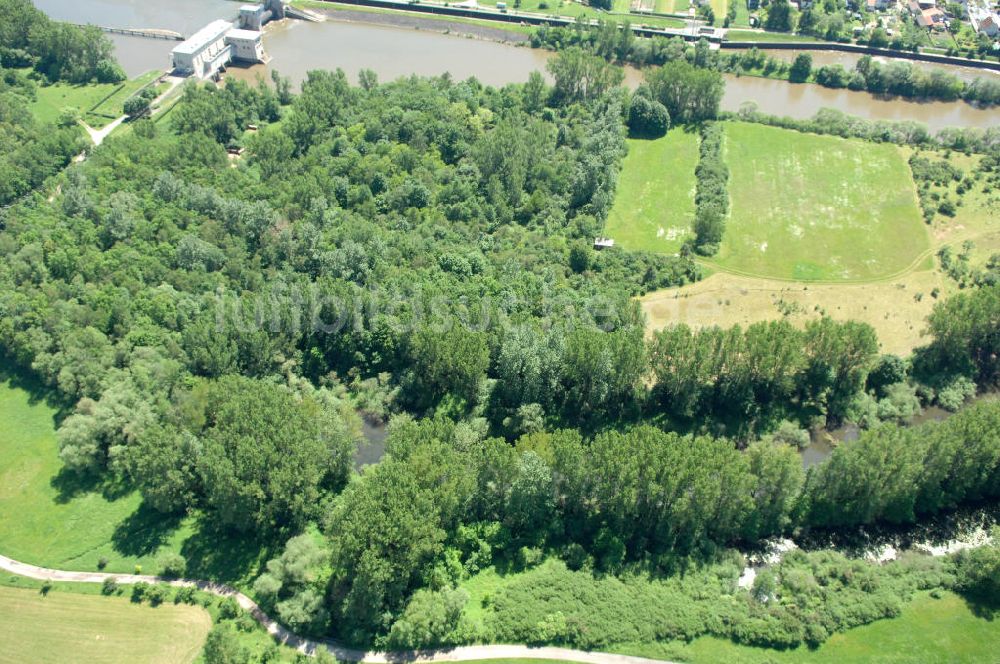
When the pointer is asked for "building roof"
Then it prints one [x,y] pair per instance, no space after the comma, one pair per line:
[250,8]
[199,40]
[249,35]
[929,17]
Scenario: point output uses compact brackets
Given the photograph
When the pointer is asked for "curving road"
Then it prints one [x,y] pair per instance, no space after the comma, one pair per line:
[279,632]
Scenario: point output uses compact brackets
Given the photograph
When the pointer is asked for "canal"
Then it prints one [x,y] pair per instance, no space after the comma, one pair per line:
[391,51]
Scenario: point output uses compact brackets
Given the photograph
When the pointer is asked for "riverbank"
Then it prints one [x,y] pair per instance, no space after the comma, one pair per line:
[497,31]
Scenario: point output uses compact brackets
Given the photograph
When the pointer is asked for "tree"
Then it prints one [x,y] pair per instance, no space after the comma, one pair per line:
[647,118]
[801,68]
[267,455]
[779,16]
[690,94]
[450,362]
[431,619]
[136,106]
[977,570]
[223,647]
[581,76]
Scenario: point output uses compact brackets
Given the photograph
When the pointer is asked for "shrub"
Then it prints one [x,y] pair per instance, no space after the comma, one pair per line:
[185,595]
[155,594]
[955,393]
[109,586]
[228,608]
[173,565]
[139,591]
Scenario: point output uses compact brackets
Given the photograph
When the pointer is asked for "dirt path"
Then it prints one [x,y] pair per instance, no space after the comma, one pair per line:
[309,646]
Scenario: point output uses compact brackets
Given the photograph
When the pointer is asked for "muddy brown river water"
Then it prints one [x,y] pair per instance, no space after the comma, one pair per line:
[296,47]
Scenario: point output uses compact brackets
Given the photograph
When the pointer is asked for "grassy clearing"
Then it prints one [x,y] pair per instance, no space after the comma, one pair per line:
[68,627]
[818,208]
[55,519]
[654,206]
[896,309]
[929,630]
[98,103]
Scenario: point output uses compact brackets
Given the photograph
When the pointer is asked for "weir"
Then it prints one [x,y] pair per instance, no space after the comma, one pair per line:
[148,33]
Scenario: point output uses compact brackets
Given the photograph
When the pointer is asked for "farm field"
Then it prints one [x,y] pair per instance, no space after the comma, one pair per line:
[68,627]
[654,205]
[54,519]
[818,208]
[929,630]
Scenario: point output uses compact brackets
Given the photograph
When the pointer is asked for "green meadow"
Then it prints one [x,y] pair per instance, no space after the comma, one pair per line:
[654,204]
[818,208]
[57,519]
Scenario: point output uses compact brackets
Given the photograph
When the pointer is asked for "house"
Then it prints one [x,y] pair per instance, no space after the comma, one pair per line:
[990,26]
[876,5]
[927,4]
[603,243]
[931,18]
[984,21]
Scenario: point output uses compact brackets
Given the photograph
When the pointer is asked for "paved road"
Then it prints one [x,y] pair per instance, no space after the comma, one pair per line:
[279,632]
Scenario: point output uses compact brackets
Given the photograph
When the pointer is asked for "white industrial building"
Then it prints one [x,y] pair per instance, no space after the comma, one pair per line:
[247,45]
[205,52]
[215,46]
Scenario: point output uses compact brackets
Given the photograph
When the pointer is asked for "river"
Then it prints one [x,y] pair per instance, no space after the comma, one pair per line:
[296,47]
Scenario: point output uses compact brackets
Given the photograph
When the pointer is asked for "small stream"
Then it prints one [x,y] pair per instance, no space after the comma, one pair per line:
[824,441]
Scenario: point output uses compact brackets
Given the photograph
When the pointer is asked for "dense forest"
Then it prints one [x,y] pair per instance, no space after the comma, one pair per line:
[423,249]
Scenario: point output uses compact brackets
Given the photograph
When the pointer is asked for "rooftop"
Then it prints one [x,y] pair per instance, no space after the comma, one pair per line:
[243,34]
[210,33]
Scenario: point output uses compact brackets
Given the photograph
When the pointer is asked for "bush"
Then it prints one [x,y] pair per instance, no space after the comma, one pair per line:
[173,565]
[228,608]
[155,594]
[109,586]
[139,591]
[185,595]
[102,562]
[955,393]
[789,433]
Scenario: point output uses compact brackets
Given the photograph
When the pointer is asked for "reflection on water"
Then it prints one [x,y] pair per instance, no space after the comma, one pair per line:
[296,47]
[804,100]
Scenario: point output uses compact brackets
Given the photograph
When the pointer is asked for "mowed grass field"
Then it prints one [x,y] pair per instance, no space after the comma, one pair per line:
[56,519]
[98,103]
[654,204]
[929,630]
[896,309]
[818,208]
[64,628]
